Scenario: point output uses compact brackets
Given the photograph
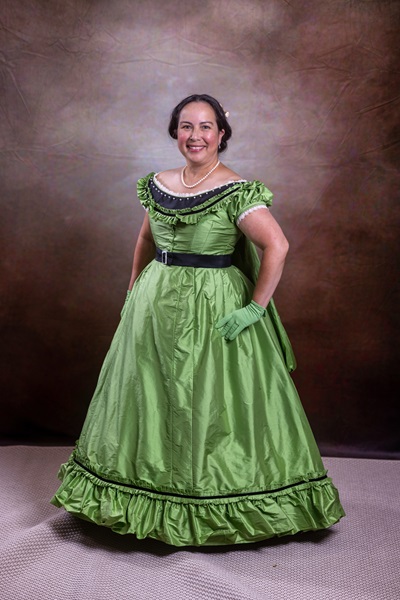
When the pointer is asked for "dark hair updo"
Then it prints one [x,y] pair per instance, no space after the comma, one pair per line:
[221,119]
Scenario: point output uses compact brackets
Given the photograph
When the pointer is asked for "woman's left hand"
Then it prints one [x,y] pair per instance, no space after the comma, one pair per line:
[230,326]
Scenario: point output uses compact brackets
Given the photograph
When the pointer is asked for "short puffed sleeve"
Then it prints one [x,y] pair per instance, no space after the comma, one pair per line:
[251,196]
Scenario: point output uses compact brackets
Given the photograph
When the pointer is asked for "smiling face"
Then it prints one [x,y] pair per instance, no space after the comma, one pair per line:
[198,135]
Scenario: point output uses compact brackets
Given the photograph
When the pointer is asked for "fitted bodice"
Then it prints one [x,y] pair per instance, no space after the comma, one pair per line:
[213,234]
[203,223]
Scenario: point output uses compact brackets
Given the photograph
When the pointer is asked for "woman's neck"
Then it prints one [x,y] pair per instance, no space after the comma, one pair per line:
[194,175]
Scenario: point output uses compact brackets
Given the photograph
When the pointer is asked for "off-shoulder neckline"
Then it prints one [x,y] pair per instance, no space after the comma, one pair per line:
[163,188]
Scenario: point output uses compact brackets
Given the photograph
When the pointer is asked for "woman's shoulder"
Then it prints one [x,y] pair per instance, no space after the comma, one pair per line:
[226,174]
[170,179]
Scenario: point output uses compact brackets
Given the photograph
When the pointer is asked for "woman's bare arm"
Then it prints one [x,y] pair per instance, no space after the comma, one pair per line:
[144,251]
[262,229]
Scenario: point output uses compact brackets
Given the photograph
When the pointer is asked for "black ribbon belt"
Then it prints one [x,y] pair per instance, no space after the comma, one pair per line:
[180,259]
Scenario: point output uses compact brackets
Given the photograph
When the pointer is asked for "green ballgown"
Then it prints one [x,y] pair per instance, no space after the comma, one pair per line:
[191,439]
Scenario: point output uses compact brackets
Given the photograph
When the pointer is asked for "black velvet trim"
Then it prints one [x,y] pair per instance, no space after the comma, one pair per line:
[171,202]
[178,495]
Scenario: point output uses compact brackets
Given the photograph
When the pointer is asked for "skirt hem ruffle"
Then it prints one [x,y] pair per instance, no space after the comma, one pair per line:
[306,507]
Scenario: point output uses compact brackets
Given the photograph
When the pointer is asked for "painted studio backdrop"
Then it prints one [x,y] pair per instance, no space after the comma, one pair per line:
[312,87]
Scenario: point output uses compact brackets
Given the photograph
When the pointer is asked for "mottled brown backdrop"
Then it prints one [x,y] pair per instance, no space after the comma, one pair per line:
[313,91]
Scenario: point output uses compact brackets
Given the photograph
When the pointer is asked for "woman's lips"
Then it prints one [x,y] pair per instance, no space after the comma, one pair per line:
[195,148]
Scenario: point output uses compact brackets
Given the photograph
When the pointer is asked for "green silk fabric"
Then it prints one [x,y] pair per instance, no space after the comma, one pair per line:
[191,439]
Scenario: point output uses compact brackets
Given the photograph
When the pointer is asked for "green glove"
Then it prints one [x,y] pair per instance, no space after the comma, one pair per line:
[231,325]
[128,293]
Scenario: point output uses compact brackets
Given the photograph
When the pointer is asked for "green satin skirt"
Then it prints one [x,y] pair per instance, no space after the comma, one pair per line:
[191,439]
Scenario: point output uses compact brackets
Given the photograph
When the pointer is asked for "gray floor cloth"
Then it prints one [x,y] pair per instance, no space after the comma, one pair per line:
[47,554]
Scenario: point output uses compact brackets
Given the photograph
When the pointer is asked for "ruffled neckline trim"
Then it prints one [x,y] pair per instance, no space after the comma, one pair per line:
[163,188]
[252,190]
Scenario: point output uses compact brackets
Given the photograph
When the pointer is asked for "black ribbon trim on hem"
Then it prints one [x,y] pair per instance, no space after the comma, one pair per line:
[143,489]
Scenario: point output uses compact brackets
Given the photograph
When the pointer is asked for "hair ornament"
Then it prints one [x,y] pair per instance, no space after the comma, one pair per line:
[226,112]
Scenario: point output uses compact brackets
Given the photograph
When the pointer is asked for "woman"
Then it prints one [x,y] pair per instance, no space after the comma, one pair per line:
[195,434]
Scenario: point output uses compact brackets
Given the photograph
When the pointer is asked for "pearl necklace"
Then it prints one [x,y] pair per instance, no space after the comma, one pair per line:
[200,180]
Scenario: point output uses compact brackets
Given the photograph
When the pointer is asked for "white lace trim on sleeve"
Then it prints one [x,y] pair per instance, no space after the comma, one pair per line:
[248,211]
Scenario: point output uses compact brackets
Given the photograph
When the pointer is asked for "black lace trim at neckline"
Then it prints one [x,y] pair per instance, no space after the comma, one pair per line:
[171,202]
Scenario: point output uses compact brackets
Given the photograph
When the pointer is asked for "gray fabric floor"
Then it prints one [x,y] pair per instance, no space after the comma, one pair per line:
[47,554]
